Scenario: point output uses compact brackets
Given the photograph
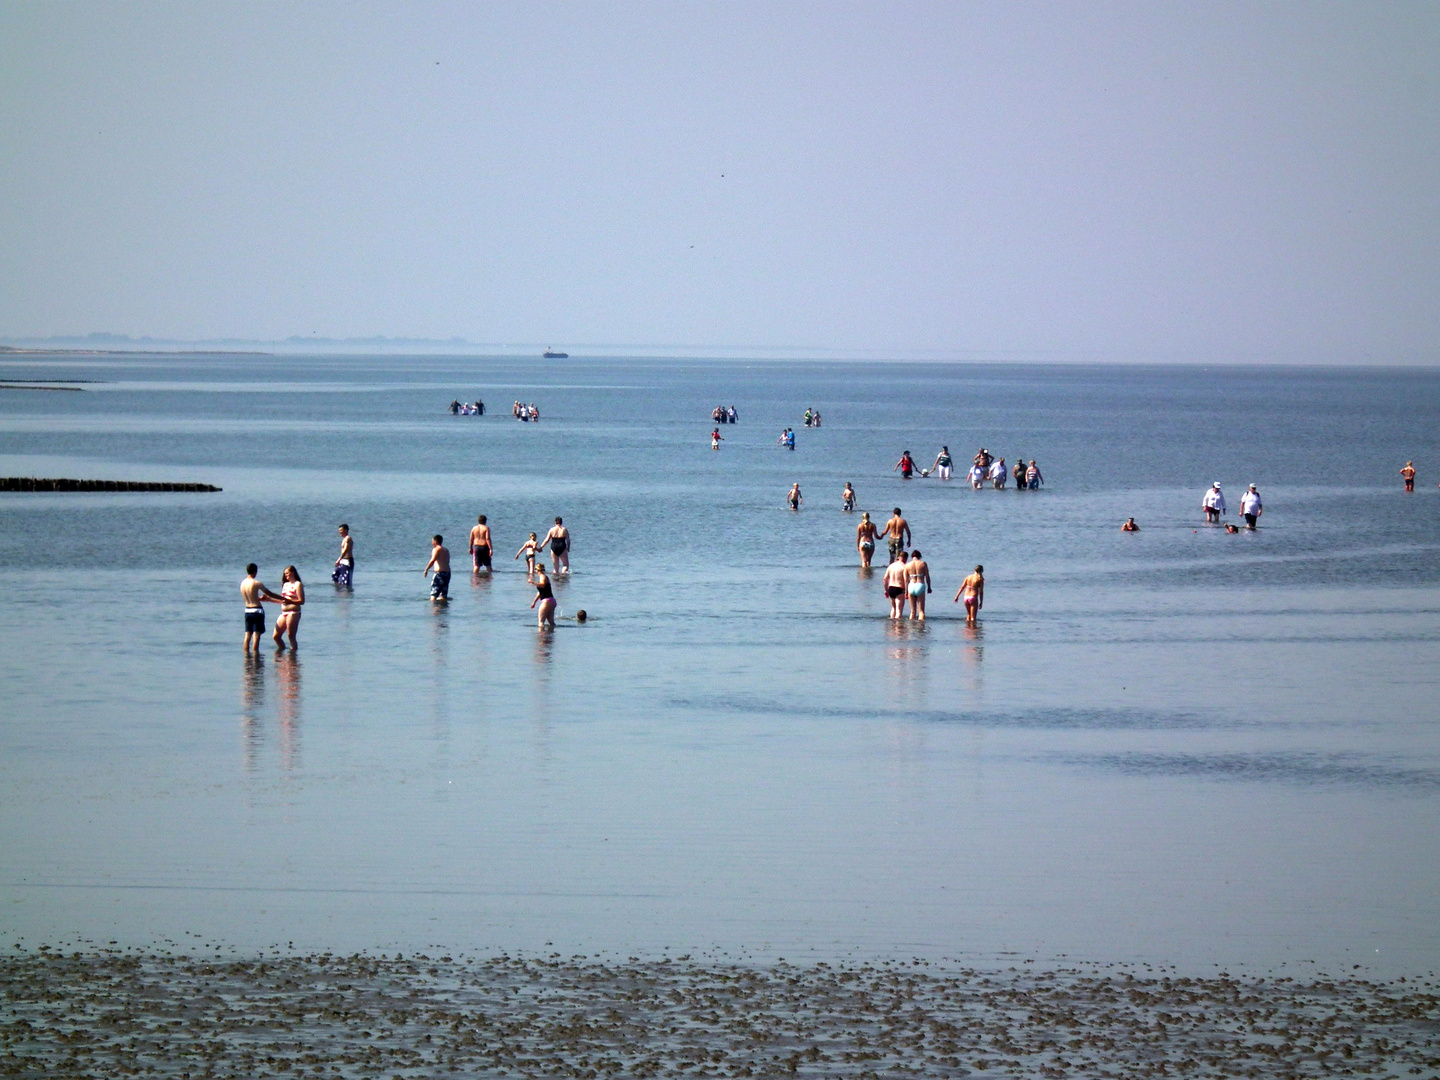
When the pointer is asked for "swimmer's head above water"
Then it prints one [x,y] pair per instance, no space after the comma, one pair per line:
[580,615]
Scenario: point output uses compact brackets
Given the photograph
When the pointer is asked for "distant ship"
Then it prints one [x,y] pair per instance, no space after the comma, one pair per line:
[551,354]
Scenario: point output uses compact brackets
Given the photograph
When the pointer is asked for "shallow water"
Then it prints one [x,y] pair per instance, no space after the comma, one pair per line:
[1175,746]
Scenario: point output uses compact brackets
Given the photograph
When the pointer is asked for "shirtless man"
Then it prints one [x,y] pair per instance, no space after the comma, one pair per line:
[973,589]
[847,498]
[1408,472]
[895,580]
[865,534]
[795,498]
[440,560]
[917,584]
[480,546]
[559,540]
[896,533]
[344,574]
[255,596]
[1130,526]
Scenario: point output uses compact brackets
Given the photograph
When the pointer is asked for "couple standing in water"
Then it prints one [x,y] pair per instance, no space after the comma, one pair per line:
[256,594]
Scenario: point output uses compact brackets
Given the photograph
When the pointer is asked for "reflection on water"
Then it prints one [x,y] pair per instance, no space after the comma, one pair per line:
[252,708]
[287,671]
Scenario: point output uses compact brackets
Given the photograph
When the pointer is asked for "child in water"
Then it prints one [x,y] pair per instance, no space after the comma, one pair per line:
[528,550]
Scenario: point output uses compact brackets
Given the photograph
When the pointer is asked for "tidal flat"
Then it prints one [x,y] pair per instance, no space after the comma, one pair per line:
[104,1013]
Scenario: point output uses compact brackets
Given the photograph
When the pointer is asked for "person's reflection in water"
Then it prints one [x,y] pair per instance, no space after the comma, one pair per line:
[287,669]
[439,674]
[544,645]
[908,650]
[972,656]
[252,703]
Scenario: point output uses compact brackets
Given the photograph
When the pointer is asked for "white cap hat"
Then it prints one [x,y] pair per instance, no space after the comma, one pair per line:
[1217,483]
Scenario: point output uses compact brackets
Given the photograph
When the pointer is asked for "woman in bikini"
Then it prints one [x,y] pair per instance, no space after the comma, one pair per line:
[528,550]
[545,597]
[917,584]
[292,599]
[865,534]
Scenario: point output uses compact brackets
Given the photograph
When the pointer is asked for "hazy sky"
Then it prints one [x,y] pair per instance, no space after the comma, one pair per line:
[1128,180]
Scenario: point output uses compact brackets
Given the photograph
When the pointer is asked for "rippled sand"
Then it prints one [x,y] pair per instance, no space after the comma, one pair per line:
[126,1013]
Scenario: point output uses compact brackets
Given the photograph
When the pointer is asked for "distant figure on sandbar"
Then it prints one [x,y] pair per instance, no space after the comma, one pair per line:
[440,560]
[292,599]
[1250,507]
[973,590]
[255,595]
[865,534]
[1213,503]
[847,498]
[896,576]
[795,498]
[559,540]
[896,533]
[917,584]
[481,548]
[1408,472]
[545,597]
[344,574]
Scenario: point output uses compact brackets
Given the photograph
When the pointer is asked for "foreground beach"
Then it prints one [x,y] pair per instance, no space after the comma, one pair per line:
[114,1013]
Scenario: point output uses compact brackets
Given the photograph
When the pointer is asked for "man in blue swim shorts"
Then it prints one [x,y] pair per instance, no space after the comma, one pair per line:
[255,596]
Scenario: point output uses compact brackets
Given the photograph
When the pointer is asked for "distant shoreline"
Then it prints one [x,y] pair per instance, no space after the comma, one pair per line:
[12,350]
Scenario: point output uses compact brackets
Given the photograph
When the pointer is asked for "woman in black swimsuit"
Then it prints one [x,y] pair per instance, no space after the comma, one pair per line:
[545,597]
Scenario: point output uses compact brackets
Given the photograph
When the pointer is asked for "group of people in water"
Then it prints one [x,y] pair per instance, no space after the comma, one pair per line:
[291,596]
[725,414]
[522,411]
[812,418]
[985,468]
[465,408]
[907,574]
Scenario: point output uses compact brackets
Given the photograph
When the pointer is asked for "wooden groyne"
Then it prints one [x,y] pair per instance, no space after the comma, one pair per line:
[31,483]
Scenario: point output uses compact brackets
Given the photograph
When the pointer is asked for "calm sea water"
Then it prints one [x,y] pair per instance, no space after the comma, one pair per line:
[1177,745]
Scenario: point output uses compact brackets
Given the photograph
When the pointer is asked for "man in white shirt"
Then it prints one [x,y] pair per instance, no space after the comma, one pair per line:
[1213,504]
[1250,508]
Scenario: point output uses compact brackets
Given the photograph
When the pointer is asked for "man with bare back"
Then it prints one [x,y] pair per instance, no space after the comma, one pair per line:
[896,579]
[440,560]
[480,545]
[255,596]
[896,533]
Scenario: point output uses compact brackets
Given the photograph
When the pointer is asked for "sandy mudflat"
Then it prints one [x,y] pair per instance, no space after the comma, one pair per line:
[128,1013]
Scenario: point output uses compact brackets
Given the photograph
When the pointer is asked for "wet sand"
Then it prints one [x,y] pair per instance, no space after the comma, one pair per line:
[118,1013]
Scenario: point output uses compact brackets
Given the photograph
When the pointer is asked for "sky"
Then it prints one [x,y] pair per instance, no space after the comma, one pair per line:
[1144,181]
